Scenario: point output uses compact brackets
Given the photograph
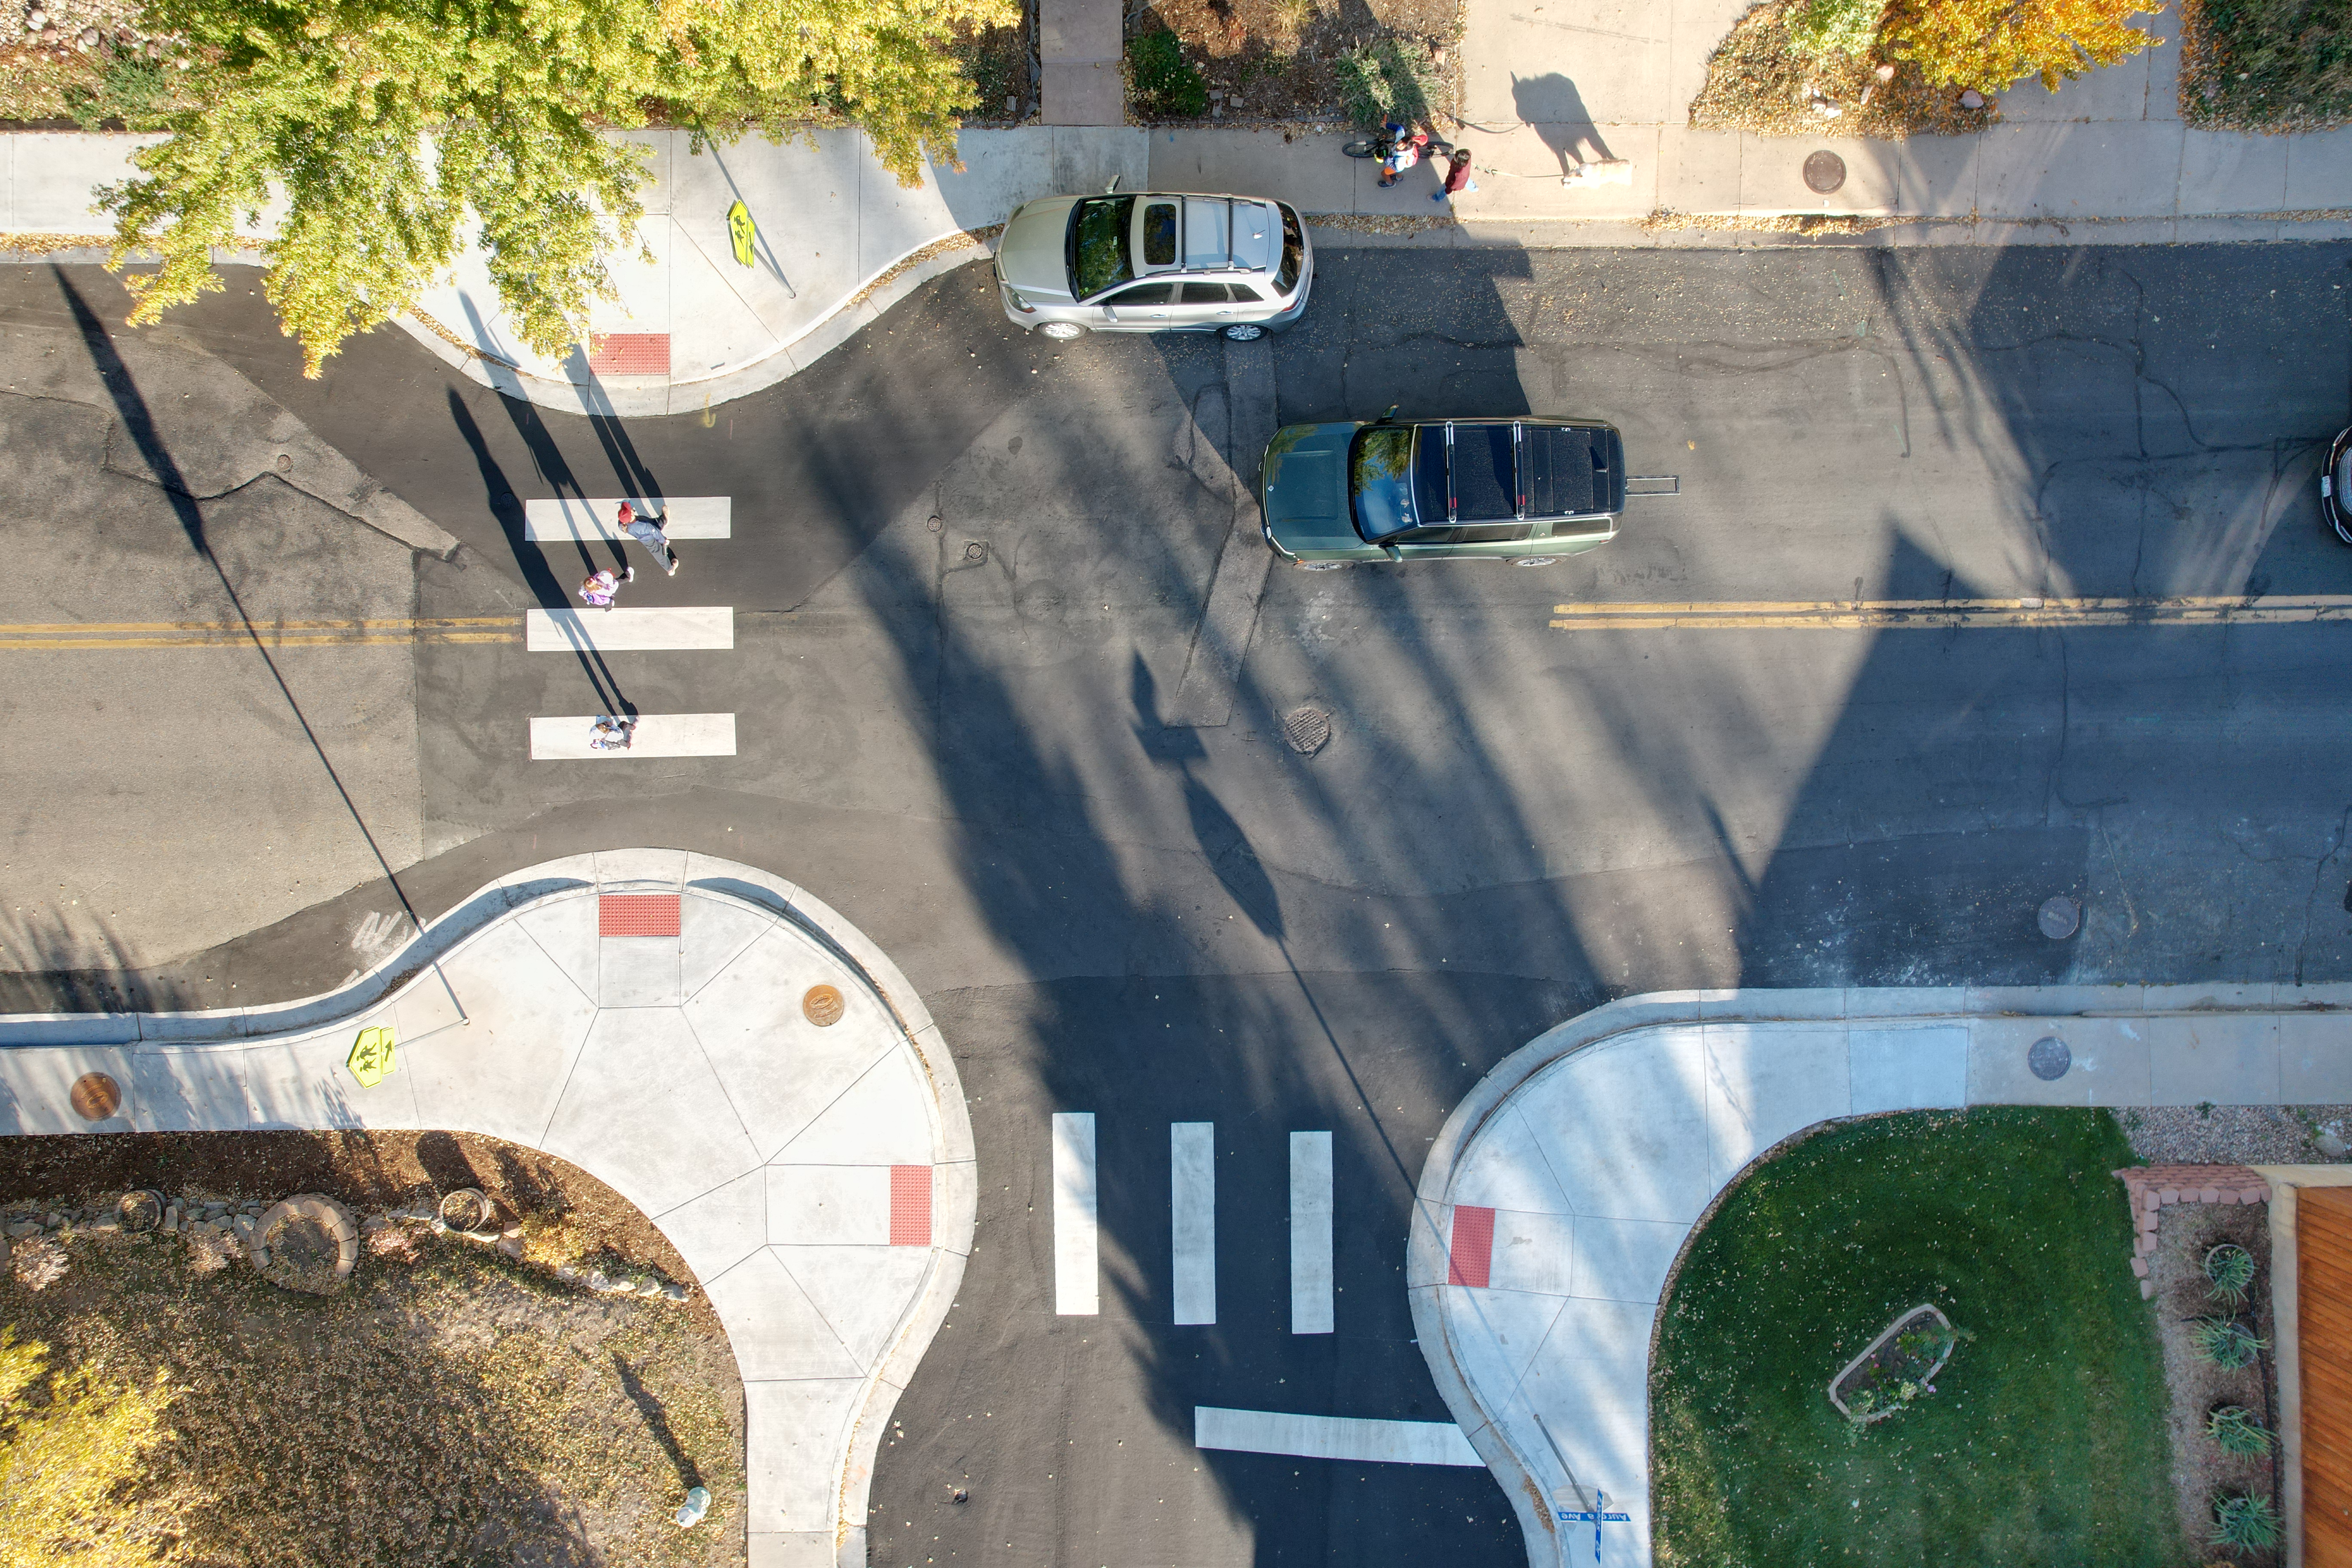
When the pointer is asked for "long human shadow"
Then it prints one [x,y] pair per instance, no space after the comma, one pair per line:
[499,496]
[1551,104]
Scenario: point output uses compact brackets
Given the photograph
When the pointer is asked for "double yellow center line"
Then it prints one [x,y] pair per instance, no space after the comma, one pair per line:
[397,631]
[1937,614]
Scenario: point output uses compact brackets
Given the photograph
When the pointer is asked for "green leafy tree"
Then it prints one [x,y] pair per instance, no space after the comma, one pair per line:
[67,1442]
[378,133]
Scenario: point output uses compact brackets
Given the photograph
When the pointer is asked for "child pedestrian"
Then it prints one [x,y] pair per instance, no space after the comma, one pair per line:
[647,531]
[601,588]
[610,734]
[1457,176]
[1404,151]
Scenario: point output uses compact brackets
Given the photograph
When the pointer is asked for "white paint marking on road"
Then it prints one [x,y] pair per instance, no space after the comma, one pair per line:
[1310,1232]
[1333,1438]
[682,517]
[656,735]
[629,631]
[1077,1289]
[1192,1218]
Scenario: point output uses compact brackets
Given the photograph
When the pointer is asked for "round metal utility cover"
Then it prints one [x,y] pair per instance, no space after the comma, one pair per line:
[2060,918]
[95,1097]
[1306,729]
[2049,1058]
[1824,173]
[822,1006]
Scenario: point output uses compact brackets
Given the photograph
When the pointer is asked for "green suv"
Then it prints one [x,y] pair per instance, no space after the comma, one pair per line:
[1524,490]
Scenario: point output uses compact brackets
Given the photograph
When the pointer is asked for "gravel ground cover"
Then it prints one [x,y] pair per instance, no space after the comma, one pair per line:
[543,1392]
[2044,1438]
[1326,61]
[1754,81]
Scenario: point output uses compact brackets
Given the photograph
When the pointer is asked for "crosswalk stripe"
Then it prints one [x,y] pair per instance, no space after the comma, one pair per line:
[656,735]
[1310,1232]
[1352,1438]
[570,518]
[1077,1289]
[629,631]
[1192,1218]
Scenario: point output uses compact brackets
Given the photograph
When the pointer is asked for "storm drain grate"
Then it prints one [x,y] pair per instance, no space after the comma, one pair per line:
[1306,729]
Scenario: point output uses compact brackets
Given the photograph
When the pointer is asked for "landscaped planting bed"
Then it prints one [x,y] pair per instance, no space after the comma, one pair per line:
[2043,1436]
[1334,61]
[523,1394]
[2266,65]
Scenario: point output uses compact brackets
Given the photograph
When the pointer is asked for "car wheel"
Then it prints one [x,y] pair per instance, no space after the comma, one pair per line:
[1535,560]
[1321,565]
[1244,332]
[1062,332]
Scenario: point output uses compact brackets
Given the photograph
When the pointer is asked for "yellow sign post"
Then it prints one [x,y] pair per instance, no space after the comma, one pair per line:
[371,1057]
[741,231]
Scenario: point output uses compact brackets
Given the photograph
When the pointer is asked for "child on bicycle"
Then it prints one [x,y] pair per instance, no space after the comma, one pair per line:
[1404,151]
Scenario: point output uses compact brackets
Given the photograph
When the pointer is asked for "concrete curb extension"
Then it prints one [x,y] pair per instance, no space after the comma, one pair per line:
[2228,1022]
[539,930]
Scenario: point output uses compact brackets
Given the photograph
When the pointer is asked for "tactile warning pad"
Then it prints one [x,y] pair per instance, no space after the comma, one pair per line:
[911,1206]
[1471,1255]
[629,353]
[637,914]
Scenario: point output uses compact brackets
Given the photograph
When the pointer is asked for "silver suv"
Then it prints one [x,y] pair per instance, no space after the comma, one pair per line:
[1067,265]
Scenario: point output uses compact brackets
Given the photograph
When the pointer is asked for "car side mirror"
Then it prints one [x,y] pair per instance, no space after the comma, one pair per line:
[1112,189]
[1391,412]
[1391,551]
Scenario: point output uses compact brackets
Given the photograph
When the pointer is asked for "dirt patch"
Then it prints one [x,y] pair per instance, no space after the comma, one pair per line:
[1331,62]
[456,1400]
[1757,81]
[2202,1470]
[2240,1134]
[1003,63]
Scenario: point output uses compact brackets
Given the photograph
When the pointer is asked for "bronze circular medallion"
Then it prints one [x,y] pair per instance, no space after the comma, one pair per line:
[824,1005]
[95,1097]
[1824,173]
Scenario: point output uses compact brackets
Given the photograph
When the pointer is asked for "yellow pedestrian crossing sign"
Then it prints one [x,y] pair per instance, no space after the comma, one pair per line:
[371,1057]
[741,231]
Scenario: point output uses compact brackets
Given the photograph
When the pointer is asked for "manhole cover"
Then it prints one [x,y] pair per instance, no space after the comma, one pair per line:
[1824,172]
[824,1006]
[1306,729]
[2060,918]
[2049,1058]
[95,1097]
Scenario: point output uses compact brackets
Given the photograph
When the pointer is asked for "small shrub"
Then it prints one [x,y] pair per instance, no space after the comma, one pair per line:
[1819,28]
[130,92]
[1162,80]
[2230,1270]
[1298,16]
[2236,1430]
[2244,1523]
[1387,79]
[2226,1342]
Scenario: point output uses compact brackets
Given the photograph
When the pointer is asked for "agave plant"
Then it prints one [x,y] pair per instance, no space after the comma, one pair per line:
[2244,1523]
[2226,1342]
[2230,1271]
[2238,1430]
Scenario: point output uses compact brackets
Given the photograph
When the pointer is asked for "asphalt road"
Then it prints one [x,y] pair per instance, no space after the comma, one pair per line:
[955,737]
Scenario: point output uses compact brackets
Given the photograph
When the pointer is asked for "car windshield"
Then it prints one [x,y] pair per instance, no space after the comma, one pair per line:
[1098,252]
[1379,478]
[1293,252]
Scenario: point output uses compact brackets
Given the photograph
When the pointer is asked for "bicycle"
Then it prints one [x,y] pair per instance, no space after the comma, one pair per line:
[1379,146]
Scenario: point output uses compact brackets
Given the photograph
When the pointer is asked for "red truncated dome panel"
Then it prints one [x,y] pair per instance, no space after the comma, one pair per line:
[629,353]
[1472,1252]
[637,914]
[911,1206]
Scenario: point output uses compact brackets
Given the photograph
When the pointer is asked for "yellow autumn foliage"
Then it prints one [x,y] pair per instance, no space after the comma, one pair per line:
[1989,44]
[67,1442]
[384,136]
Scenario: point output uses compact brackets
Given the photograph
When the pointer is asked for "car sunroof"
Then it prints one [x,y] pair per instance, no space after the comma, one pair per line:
[1483,473]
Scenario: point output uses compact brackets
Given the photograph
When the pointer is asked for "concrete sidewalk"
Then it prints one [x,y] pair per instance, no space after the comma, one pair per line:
[2105,159]
[711,1042]
[1559,1193]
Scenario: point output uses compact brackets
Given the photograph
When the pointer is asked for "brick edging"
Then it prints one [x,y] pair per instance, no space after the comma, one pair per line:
[2152,1189]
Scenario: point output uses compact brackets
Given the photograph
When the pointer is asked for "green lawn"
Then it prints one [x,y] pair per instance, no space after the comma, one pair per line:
[2046,1440]
[2267,65]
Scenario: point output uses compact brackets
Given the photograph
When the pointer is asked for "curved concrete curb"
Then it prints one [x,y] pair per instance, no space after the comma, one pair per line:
[1630,1121]
[863,304]
[781,1158]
